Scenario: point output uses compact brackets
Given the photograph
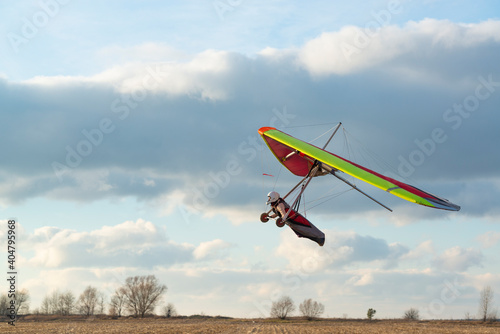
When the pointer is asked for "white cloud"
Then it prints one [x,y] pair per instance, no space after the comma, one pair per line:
[341,249]
[237,215]
[350,50]
[209,249]
[142,233]
[201,77]
[489,239]
[263,290]
[422,251]
[119,249]
[458,259]
[75,280]
[353,49]
[481,280]
[364,279]
[138,243]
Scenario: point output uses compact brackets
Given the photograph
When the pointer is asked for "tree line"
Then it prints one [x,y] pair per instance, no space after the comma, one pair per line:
[138,296]
[285,307]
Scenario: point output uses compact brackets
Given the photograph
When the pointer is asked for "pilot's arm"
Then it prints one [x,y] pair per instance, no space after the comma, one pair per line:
[281,208]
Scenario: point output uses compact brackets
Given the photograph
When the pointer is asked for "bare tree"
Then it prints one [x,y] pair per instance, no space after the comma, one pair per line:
[4,304]
[169,310]
[21,306]
[101,302]
[486,311]
[58,303]
[117,303]
[45,306]
[67,303]
[311,309]
[411,314]
[88,301]
[282,308]
[55,304]
[22,301]
[142,294]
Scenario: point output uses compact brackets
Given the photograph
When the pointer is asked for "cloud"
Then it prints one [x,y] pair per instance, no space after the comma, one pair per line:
[74,280]
[481,280]
[365,279]
[353,268]
[480,195]
[209,248]
[353,49]
[422,250]
[458,259]
[341,249]
[489,239]
[349,249]
[134,244]
[187,127]
[336,52]
[201,77]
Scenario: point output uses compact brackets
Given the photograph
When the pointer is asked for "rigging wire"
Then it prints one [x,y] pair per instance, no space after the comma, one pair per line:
[356,153]
[304,204]
[375,161]
[277,176]
[348,151]
[305,126]
[263,179]
[312,141]
[328,198]
[266,166]
[325,198]
[296,207]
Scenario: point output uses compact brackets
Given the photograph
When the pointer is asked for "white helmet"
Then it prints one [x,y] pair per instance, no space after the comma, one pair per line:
[273,196]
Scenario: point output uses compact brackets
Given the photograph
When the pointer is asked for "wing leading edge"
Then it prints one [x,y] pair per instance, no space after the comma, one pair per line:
[298,157]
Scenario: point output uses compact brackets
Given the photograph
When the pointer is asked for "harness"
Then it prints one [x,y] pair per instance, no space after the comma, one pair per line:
[275,205]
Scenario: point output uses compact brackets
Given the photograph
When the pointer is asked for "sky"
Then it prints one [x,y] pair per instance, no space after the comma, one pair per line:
[130,147]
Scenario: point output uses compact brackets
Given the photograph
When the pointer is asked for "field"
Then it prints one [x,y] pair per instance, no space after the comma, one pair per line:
[250,326]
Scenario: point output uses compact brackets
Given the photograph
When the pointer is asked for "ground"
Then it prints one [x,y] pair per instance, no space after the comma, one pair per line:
[230,326]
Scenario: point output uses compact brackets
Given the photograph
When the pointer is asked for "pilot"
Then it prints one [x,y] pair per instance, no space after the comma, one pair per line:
[300,225]
[278,204]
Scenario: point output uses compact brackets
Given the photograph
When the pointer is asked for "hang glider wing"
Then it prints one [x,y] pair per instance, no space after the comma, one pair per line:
[298,157]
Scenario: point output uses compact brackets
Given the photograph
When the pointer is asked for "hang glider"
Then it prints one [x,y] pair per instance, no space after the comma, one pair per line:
[306,160]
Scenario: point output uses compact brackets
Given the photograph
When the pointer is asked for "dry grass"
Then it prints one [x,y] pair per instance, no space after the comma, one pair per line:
[230,326]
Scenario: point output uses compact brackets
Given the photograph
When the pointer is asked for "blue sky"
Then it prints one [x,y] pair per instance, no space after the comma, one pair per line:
[130,147]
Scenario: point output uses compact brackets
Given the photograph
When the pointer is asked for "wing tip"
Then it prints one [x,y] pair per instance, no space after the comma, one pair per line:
[265,128]
[444,204]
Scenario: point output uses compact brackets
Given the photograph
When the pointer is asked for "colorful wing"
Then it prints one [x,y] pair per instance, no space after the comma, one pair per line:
[298,157]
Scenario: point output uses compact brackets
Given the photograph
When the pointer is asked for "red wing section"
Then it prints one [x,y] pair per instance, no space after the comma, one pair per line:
[295,164]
